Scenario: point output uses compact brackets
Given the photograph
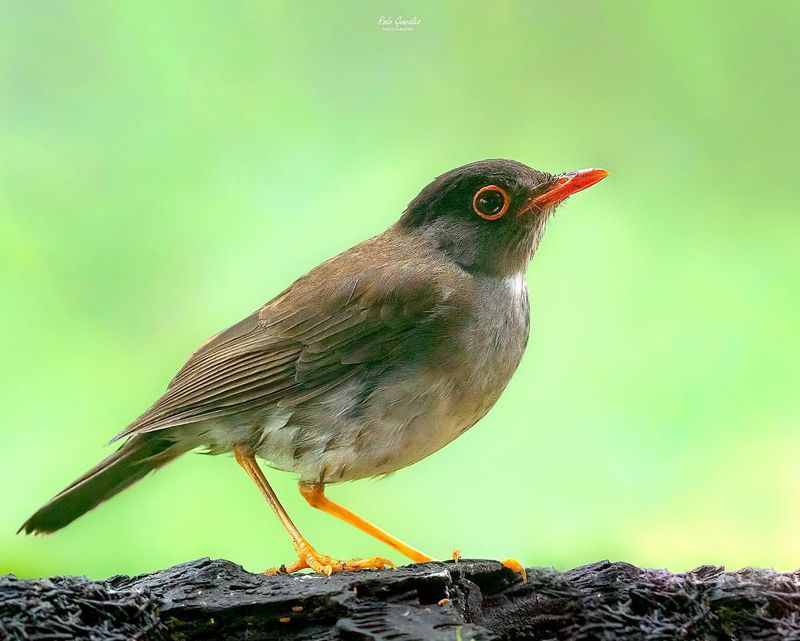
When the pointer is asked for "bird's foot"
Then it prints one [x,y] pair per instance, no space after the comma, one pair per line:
[516,566]
[512,564]
[311,559]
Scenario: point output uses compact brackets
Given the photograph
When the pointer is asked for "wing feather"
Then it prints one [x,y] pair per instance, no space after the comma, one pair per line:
[308,340]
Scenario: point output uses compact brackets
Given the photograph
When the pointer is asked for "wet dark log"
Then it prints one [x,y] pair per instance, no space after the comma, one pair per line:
[455,601]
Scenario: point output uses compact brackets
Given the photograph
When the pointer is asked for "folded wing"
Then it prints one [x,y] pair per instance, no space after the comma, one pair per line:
[313,337]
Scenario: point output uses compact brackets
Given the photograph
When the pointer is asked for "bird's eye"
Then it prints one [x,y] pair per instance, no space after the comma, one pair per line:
[490,202]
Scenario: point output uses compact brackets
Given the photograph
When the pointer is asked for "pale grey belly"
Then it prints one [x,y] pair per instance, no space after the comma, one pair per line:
[411,414]
[403,421]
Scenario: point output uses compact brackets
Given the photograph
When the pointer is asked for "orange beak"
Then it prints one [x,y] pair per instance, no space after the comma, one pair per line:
[567,184]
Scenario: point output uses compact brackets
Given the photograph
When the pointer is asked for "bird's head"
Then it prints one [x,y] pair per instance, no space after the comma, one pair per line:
[489,216]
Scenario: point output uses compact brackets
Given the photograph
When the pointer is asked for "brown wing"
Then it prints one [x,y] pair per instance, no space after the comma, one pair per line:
[332,324]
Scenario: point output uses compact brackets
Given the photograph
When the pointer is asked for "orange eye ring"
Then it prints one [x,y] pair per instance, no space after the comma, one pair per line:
[484,190]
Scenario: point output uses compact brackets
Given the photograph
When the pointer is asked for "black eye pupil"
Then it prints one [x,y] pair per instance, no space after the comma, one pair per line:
[490,202]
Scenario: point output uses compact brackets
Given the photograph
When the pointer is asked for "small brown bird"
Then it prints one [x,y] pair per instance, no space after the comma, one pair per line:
[368,363]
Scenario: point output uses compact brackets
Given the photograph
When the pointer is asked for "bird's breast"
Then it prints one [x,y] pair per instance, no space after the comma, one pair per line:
[494,340]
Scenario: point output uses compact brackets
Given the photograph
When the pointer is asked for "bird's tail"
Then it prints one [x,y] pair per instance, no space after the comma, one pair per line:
[137,457]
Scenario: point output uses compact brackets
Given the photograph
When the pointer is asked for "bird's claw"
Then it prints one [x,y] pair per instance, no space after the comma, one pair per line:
[517,567]
[323,564]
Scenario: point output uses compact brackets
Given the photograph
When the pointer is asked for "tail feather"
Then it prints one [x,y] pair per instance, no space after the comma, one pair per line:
[137,457]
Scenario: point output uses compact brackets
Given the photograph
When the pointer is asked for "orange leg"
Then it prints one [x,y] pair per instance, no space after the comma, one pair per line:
[314,493]
[308,557]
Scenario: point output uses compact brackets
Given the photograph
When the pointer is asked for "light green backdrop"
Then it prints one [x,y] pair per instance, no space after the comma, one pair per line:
[165,168]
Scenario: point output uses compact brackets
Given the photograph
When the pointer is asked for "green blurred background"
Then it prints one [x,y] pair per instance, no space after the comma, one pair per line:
[165,168]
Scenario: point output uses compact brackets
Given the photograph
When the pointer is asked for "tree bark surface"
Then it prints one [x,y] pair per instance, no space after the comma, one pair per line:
[478,600]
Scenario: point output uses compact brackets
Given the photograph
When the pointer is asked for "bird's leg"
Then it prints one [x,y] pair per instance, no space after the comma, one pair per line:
[308,557]
[314,493]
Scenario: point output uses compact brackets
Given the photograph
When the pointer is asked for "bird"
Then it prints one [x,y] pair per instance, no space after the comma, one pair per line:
[368,363]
